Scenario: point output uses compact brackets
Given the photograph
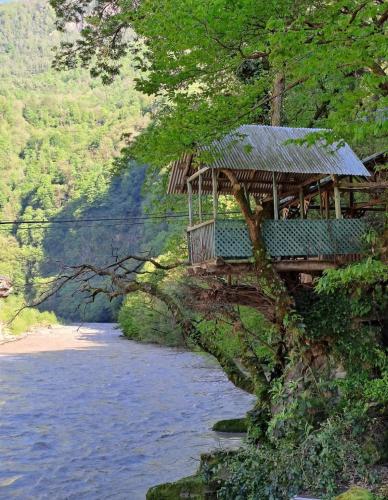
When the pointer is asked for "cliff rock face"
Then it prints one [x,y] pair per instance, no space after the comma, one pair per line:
[5,286]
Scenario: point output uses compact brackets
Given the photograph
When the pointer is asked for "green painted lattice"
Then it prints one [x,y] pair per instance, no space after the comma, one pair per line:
[312,238]
[291,238]
[232,240]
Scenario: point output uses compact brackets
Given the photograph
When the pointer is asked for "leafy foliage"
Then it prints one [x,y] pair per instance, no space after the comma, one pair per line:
[321,461]
[26,318]
[147,320]
[212,64]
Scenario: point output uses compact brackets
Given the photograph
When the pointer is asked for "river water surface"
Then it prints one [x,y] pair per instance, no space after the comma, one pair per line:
[86,414]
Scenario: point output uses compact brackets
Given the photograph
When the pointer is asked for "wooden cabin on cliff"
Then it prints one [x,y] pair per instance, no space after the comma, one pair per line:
[309,189]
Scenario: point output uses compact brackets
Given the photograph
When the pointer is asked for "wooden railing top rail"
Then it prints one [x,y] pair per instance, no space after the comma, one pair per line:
[201,224]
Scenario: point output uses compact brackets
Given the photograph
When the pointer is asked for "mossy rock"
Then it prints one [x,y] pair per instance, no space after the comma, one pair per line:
[356,493]
[234,425]
[191,487]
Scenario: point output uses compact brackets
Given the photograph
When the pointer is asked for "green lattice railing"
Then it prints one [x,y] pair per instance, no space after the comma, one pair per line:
[229,239]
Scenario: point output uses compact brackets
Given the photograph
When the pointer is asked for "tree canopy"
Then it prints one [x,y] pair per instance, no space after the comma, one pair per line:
[212,65]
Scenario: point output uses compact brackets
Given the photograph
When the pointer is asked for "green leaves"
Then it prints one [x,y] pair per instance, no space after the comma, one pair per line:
[211,63]
[315,463]
[356,277]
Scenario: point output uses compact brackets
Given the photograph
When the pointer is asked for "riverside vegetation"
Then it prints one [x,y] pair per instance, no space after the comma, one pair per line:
[319,370]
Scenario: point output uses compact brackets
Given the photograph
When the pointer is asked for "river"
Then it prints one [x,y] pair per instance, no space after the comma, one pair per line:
[87,414]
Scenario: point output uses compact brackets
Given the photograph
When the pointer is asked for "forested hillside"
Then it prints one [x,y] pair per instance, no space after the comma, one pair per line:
[59,133]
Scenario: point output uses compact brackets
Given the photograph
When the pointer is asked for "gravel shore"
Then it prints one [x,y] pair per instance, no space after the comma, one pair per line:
[56,338]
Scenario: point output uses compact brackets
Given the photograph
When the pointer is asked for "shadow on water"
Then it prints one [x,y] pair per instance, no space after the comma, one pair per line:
[109,419]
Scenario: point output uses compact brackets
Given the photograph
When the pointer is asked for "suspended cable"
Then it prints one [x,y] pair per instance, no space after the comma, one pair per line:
[177,215]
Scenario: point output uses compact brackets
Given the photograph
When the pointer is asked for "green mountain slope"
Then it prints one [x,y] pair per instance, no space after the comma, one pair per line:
[59,133]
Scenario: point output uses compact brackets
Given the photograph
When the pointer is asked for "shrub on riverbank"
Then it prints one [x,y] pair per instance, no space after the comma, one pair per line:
[320,463]
[25,319]
[232,425]
[13,264]
[146,320]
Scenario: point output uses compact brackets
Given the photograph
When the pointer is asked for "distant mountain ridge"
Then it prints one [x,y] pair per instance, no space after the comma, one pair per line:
[59,133]
[27,34]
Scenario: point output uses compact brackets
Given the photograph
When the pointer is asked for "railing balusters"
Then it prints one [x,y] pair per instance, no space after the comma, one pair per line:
[229,239]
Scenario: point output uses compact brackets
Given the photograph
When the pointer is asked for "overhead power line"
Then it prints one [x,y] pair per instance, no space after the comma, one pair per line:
[80,226]
[97,219]
[141,218]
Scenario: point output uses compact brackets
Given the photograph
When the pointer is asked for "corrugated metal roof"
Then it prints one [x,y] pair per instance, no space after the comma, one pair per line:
[255,151]
[261,147]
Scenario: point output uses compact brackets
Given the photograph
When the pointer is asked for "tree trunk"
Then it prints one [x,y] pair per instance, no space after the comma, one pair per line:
[270,283]
[230,367]
[277,99]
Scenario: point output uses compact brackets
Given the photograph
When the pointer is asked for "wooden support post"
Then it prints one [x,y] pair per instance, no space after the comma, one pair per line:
[327,203]
[200,198]
[320,200]
[351,196]
[337,198]
[275,197]
[215,193]
[190,193]
[301,202]
[337,203]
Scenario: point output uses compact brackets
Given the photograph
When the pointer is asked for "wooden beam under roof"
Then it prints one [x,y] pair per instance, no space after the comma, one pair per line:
[363,186]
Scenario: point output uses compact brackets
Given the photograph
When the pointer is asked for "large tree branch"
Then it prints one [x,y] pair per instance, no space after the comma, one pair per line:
[277,100]
[356,11]
[229,365]
[151,260]
[240,195]
[221,294]
[383,18]
[275,95]
[121,285]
